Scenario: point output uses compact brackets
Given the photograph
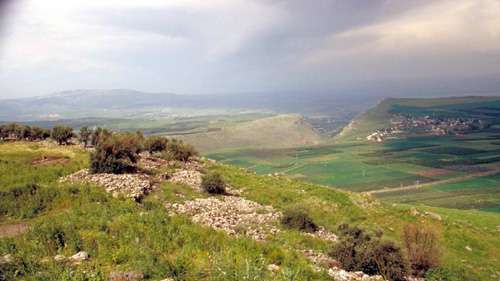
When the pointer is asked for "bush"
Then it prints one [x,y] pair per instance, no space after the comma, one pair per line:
[299,219]
[85,135]
[213,183]
[116,154]
[156,144]
[180,151]
[422,247]
[62,134]
[99,135]
[358,250]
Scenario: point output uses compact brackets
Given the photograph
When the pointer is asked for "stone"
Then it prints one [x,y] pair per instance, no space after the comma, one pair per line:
[126,276]
[414,212]
[128,185]
[79,257]
[59,258]
[468,248]
[234,215]
[6,259]
[434,216]
[273,268]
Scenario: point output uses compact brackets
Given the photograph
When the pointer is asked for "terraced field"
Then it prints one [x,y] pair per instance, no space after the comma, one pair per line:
[352,163]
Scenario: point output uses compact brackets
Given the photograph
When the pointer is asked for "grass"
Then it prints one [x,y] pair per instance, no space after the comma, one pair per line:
[351,163]
[119,234]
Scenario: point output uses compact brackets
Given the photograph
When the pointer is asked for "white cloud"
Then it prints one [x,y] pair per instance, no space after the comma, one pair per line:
[442,28]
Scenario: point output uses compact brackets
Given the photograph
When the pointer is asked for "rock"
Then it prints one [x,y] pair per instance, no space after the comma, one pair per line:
[129,185]
[126,276]
[59,258]
[79,257]
[433,216]
[323,234]
[167,279]
[498,228]
[468,248]
[6,259]
[414,212]
[234,215]
[273,268]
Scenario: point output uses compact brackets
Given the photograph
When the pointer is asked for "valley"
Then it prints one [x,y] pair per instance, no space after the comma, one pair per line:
[414,157]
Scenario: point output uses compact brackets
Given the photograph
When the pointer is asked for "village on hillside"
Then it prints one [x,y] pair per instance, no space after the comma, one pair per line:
[427,125]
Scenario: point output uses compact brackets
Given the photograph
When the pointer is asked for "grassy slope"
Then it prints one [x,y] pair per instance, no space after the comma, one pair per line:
[121,235]
[277,131]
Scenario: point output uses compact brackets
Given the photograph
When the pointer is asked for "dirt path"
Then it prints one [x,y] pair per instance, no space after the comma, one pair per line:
[428,184]
[11,230]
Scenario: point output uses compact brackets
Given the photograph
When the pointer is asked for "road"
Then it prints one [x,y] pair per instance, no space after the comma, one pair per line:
[428,184]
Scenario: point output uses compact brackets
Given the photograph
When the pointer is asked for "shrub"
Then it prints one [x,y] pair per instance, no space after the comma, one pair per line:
[62,134]
[180,151]
[213,183]
[422,248]
[297,218]
[358,250]
[99,135]
[156,144]
[116,154]
[85,135]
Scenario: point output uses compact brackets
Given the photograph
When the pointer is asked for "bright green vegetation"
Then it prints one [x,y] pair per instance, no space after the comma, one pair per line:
[352,163]
[476,193]
[119,234]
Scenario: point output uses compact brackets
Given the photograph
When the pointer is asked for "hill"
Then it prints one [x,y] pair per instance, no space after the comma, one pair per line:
[131,104]
[440,152]
[46,221]
[277,131]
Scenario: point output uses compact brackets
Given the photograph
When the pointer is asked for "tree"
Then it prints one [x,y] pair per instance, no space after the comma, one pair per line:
[85,134]
[115,154]
[62,134]
[156,144]
[180,151]
[99,135]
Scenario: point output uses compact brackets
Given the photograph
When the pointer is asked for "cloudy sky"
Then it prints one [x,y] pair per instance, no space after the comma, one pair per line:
[230,46]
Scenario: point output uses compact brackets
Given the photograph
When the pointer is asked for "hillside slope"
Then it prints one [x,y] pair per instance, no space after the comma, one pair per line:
[145,238]
[277,131]
[379,116]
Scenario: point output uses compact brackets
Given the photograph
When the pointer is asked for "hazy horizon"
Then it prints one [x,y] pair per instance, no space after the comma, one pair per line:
[380,48]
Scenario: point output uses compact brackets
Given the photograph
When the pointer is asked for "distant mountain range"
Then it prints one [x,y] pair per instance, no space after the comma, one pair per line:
[123,103]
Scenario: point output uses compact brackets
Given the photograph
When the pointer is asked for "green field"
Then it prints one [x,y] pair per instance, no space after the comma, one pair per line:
[350,162]
[119,234]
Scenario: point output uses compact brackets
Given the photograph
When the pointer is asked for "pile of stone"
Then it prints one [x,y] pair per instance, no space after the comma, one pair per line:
[152,163]
[342,275]
[232,214]
[128,185]
[193,165]
[323,234]
[188,177]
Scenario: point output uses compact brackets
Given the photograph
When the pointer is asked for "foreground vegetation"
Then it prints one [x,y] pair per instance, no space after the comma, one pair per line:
[121,235]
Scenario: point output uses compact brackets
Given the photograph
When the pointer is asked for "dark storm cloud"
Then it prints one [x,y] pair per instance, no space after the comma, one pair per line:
[197,46]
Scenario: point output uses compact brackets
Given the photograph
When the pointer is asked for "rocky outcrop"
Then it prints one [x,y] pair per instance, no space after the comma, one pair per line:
[232,214]
[128,185]
[188,177]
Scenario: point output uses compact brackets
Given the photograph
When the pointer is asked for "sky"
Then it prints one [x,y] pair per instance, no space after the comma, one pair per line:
[246,46]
